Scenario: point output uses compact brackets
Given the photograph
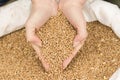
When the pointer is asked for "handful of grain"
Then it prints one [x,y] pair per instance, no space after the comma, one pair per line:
[57,37]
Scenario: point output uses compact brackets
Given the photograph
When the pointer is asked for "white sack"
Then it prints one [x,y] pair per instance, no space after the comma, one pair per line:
[108,14]
[13,16]
[88,12]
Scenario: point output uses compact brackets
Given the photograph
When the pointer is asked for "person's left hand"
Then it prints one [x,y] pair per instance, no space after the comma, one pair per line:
[72,9]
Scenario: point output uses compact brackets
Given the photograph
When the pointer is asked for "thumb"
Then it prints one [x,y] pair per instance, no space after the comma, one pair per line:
[32,37]
[78,40]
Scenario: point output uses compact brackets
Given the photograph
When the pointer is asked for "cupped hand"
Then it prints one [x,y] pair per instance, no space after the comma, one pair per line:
[42,10]
[72,9]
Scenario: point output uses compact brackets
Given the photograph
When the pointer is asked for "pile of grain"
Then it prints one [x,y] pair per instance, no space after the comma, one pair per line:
[57,36]
[97,59]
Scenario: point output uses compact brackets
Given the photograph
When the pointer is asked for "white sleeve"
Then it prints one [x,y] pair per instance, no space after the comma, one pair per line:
[108,14]
[13,16]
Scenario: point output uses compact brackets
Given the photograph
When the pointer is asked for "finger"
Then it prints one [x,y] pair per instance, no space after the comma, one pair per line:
[69,59]
[80,38]
[66,62]
[32,37]
[37,50]
[77,48]
[46,66]
[41,58]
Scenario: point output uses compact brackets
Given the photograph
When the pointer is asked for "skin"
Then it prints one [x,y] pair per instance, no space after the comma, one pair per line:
[72,9]
[38,17]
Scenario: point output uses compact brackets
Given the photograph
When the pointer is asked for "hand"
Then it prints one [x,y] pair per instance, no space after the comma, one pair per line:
[42,10]
[72,9]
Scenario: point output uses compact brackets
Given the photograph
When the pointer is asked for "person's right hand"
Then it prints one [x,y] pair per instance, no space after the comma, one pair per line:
[42,10]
